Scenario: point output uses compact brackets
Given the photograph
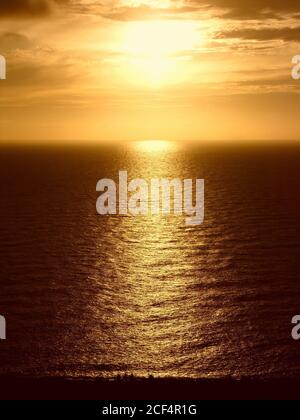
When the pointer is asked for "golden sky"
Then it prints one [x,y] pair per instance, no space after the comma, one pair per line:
[149,69]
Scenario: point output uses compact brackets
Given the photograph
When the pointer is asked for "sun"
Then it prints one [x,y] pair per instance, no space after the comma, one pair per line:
[155,50]
[160,37]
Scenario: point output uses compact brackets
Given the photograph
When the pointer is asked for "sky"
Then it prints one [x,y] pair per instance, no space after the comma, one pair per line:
[88,70]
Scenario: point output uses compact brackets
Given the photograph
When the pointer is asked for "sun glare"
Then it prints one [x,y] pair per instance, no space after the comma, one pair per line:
[160,37]
[155,146]
[155,49]
[163,4]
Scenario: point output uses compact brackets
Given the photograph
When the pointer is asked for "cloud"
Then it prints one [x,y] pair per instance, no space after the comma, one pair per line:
[251,9]
[122,11]
[234,9]
[11,41]
[142,12]
[28,8]
[263,34]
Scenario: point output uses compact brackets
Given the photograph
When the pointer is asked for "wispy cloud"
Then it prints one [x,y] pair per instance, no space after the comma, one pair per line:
[263,34]
[251,9]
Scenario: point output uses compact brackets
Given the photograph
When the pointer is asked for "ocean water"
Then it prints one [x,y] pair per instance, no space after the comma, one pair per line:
[99,296]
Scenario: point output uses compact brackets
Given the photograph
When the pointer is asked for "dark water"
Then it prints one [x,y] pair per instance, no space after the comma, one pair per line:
[87,295]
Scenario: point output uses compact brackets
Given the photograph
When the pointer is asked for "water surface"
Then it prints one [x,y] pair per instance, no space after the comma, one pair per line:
[92,296]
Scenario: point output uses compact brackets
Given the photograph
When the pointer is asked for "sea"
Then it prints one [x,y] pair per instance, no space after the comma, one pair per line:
[91,296]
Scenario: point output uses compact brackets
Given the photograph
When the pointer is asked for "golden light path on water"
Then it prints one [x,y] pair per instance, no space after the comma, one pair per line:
[152,271]
[157,292]
[155,146]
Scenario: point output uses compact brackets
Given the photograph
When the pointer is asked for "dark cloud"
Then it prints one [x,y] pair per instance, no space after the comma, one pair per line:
[251,9]
[28,8]
[263,34]
[11,41]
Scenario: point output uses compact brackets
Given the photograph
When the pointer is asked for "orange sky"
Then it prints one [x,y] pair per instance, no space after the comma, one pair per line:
[160,69]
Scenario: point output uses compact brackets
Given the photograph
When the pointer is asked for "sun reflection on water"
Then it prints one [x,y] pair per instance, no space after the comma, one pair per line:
[155,146]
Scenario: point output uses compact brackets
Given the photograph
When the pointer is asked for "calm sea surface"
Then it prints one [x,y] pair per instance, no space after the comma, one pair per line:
[94,296]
